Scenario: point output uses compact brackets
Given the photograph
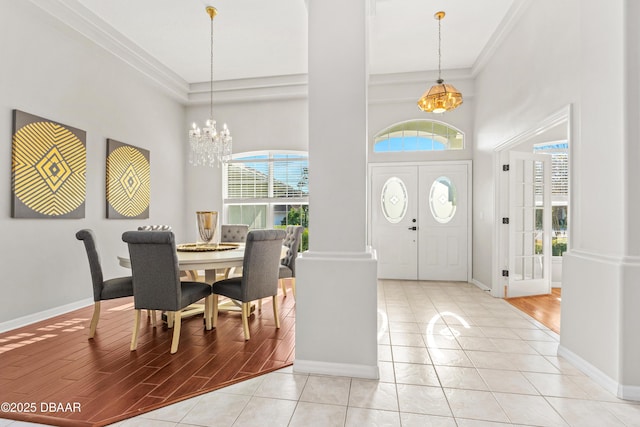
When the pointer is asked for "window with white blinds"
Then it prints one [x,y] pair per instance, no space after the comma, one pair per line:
[559,167]
[267,189]
[559,152]
[267,176]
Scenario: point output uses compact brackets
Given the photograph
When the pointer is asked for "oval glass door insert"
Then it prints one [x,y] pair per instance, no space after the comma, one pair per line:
[394,200]
[443,200]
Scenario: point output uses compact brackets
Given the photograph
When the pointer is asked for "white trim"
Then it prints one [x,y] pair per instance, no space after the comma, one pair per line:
[629,392]
[417,77]
[368,255]
[257,89]
[510,20]
[630,261]
[336,369]
[626,392]
[94,28]
[480,285]
[43,315]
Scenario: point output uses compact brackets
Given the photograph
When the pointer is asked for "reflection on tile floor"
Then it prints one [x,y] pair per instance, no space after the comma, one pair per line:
[450,355]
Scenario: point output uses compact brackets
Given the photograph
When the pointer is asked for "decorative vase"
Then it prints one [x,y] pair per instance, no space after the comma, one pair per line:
[207,225]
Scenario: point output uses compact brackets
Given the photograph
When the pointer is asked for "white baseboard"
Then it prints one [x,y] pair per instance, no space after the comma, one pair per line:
[43,315]
[480,285]
[336,369]
[625,392]
[629,392]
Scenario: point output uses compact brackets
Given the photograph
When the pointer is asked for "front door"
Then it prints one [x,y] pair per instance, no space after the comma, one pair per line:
[529,224]
[394,216]
[443,219]
[419,221]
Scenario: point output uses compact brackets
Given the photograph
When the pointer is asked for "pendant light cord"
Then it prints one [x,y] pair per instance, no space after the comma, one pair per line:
[211,81]
[439,50]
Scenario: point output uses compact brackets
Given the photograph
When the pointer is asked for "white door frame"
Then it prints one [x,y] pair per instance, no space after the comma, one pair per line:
[501,191]
[469,165]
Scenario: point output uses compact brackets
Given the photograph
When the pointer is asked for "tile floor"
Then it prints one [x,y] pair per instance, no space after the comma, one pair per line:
[450,355]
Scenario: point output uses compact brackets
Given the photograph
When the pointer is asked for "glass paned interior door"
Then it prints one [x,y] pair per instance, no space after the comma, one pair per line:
[529,257]
[530,225]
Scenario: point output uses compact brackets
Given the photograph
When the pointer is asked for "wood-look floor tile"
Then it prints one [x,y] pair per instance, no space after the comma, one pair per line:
[54,360]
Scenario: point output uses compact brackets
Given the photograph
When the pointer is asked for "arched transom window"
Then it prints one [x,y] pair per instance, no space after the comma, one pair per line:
[418,135]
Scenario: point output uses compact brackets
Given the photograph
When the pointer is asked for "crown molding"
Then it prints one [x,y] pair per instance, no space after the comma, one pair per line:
[515,12]
[90,25]
[257,89]
[82,20]
[430,76]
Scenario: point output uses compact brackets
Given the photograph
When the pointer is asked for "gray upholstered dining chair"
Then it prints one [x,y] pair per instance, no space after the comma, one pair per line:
[233,233]
[189,274]
[259,275]
[288,263]
[117,287]
[156,281]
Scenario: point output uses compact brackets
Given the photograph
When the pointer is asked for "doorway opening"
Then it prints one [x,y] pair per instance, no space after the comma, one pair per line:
[551,139]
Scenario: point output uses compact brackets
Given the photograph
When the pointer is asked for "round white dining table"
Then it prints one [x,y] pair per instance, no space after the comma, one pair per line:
[209,261]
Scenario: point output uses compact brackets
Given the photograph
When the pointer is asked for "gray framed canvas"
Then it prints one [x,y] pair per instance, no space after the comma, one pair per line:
[128,181]
[48,168]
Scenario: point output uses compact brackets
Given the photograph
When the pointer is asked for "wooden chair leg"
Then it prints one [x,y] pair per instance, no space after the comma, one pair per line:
[152,314]
[170,318]
[136,329]
[245,320]
[192,275]
[293,286]
[276,315]
[177,321]
[283,287]
[214,309]
[94,320]
[207,312]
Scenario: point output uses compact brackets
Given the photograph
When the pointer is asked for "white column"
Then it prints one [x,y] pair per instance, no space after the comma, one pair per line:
[336,304]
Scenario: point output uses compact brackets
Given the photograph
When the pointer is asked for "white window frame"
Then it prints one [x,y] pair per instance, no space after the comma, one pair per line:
[269,201]
[406,122]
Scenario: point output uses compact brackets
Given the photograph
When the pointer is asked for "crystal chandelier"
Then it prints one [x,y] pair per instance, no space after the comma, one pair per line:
[208,146]
[441,97]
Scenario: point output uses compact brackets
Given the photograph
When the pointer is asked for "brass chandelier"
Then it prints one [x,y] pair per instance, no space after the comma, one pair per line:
[440,97]
[208,147]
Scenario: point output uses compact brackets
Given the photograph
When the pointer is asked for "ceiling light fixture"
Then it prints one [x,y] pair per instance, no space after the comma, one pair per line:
[208,146]
[440,97]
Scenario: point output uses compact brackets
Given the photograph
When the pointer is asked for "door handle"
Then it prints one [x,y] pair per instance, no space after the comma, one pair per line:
[414,228]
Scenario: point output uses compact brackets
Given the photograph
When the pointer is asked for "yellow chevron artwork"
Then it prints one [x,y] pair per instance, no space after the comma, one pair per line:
[48,168]
[128,181]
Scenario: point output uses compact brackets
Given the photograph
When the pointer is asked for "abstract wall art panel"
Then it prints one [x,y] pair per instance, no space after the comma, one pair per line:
[48,168]
[128,181]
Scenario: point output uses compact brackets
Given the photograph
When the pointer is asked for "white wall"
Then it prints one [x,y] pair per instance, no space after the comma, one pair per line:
[277,124]
[532,75]
[393,99]
[550,60]
[51,71]
[600,278]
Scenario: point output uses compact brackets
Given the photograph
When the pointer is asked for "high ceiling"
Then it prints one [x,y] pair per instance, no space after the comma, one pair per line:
[257,38]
